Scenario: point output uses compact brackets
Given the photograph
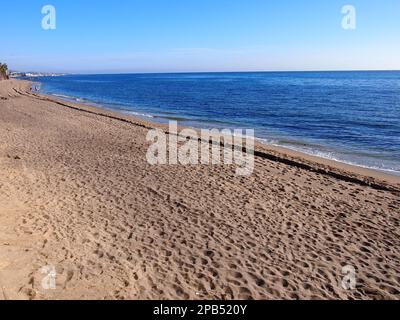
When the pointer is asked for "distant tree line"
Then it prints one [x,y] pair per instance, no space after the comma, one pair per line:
[3,71]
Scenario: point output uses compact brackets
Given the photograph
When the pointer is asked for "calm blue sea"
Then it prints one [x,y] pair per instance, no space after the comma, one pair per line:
[352,117]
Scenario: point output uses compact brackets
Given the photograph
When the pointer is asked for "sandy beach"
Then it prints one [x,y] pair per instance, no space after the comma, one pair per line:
[77,193]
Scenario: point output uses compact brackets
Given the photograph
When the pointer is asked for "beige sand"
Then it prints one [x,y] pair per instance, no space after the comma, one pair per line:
[77,193]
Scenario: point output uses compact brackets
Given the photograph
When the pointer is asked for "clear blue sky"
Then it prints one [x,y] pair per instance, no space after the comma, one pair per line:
[199,35]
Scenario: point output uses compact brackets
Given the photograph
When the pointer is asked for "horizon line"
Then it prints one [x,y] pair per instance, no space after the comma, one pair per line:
[200,72]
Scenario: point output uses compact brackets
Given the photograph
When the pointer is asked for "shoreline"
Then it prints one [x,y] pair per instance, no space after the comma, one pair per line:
[78,196]
[338,164]
[324,165]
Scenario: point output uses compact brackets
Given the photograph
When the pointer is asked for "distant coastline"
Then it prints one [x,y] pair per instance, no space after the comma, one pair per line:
[27,75]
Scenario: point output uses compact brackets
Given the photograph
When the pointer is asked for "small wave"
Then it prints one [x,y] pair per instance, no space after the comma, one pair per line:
[63,96]
[328,155]
[270,142]
[146,115]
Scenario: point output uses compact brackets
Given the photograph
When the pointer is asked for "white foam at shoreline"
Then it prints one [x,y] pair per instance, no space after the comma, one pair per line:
[327,156]
[139,114]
